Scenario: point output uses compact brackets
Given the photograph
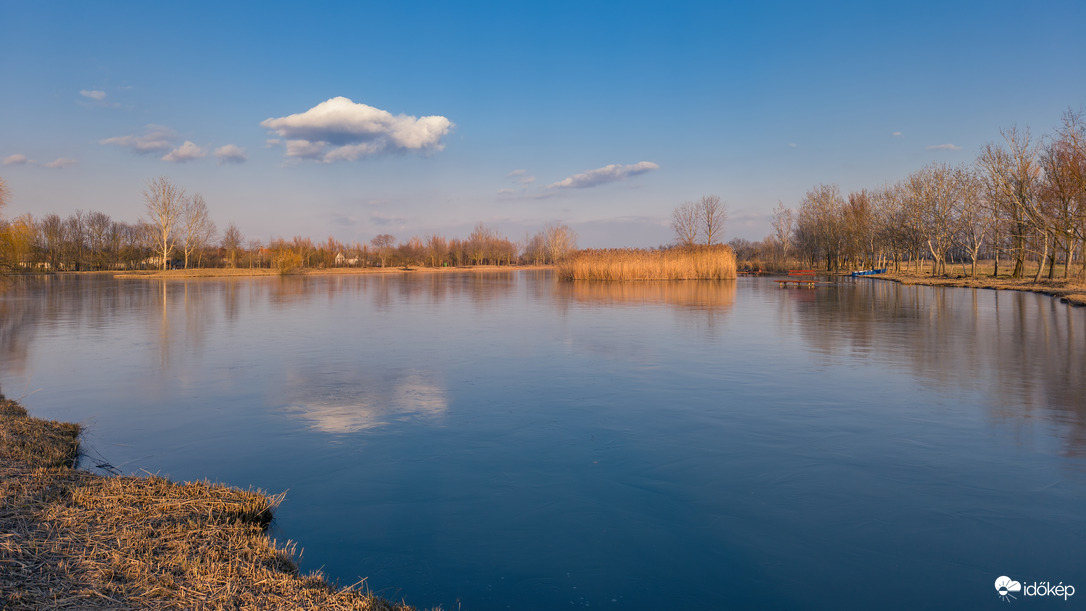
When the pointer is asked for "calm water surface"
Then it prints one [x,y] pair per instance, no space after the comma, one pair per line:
[500,440]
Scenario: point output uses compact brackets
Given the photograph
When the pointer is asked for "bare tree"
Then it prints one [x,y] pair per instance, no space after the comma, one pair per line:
[165,203]
[197,228]
[975,222]
[256,250]
[383,244]
[784,225]
[437,248]
[99,230]
[232,241]
[559,241]
[1063,191]
[5,194]
[1011,177]
[684,220]
[479,243]
[933,191]
[711,216]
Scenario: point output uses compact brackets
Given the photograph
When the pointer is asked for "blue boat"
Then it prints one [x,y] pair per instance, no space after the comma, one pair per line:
[869,272]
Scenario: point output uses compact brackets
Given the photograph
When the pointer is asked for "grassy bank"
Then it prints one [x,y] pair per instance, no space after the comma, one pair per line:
[1071,290]
[698,263]
[70,539]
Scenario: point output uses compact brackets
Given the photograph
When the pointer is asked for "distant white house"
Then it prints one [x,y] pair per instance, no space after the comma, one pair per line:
[341,259]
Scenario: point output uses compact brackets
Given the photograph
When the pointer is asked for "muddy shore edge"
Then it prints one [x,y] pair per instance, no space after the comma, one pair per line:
[71,539]
[1071,291]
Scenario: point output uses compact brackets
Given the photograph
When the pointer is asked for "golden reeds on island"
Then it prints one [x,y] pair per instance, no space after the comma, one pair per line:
[715,262]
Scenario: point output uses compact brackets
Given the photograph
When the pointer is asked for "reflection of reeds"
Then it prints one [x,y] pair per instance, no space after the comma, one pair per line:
[695,263]
[701,295]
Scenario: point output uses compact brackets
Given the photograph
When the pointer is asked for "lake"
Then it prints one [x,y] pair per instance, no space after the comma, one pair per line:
[501,440]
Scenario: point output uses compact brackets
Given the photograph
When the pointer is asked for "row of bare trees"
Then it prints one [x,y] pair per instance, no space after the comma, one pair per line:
[178,231]
[700,221]
[1020,200]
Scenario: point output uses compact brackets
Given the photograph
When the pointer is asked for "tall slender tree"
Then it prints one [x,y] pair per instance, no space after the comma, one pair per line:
[165,205]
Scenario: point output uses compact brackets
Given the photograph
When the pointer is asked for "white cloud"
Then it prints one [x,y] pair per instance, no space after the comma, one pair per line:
[792,145]
[184,153]
[604,175]
[342,130]
[231,154]
[895,135]
[943,147]
[155,139]
[61,163]
[94,94]
[17,159]
[521,177]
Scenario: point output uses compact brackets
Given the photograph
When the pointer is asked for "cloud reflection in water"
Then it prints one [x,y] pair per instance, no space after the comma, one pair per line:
[363,404]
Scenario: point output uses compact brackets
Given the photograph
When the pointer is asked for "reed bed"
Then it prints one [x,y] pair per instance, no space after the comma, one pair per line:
[695,263]
[71,539]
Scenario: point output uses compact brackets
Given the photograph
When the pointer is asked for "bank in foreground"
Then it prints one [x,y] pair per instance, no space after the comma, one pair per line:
[70,539]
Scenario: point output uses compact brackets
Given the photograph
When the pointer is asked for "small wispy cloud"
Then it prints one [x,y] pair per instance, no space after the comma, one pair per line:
[792,145]
[943,147]
[231,154]
[154,139]
[188,151]
[60,163]
[383,220]
[94,94]
[601,176]
[342,130]
[521,176]
[895,135]
[20,159]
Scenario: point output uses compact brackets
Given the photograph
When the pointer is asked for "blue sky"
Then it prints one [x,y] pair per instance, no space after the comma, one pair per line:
[598,114]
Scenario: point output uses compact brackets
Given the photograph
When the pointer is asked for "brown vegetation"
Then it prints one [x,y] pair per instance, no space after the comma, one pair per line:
[1068,290]
[70,539]
[685,263]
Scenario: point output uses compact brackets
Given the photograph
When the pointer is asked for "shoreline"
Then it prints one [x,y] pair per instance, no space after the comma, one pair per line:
[226,272]
[72,539]
[1071,291]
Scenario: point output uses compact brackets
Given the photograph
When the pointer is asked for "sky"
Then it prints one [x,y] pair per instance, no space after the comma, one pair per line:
[359,118]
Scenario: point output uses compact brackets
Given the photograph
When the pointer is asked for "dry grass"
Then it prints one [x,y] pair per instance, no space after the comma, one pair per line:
[698,263]
[70,539]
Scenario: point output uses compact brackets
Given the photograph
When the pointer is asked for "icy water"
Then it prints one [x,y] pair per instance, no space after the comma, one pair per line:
[505,441]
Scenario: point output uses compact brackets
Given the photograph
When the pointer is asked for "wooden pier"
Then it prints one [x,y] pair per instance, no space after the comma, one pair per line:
[806,278]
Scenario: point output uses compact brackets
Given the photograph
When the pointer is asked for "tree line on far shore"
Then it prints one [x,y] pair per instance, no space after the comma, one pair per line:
[1021,201]
[178,233]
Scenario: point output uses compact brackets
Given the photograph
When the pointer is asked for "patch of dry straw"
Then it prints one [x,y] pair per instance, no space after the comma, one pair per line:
[70,539]
[696,263]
